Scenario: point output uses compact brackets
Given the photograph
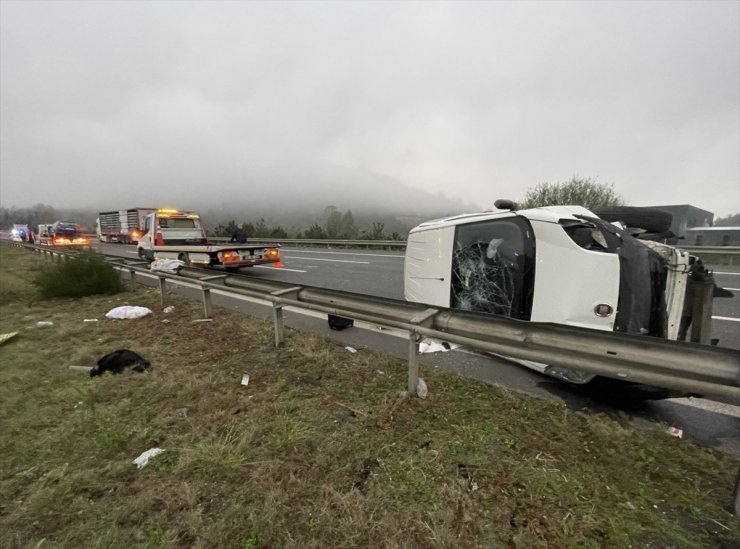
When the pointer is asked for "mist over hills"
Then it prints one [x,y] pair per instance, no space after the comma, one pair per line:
[293,197]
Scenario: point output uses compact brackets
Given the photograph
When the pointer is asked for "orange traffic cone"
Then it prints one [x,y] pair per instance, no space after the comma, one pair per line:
[278,264]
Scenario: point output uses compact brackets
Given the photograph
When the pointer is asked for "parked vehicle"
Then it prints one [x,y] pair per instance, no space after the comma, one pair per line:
[560,264]
[66,234]
[124,226]
[45,233]
[174,234]
[19,233]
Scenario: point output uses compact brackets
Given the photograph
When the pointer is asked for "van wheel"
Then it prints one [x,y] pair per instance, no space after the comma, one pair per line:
[185,259]
[652,220]
[142,254]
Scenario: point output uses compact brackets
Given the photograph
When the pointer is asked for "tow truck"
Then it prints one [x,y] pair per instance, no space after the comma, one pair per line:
[176,234]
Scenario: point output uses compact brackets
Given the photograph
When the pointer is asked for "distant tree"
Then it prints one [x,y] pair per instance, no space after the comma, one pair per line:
[315,231]
[729,221]
[347,227]
[578,191]
[376,233]
[333,221]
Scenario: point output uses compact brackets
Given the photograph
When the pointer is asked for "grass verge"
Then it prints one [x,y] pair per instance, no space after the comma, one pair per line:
[319,450]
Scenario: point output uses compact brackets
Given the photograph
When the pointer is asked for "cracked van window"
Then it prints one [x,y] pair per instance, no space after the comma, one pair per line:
[493,268]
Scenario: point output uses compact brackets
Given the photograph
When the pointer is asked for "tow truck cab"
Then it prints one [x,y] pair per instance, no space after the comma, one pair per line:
[168,227]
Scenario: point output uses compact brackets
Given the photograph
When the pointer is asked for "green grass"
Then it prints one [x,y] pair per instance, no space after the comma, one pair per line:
[81,275]
[319,450]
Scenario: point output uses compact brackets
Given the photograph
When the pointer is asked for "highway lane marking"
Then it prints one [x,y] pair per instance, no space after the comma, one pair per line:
[332,260]
[279,269]
[726,318]
[724,273]
[733,289]
[345,253]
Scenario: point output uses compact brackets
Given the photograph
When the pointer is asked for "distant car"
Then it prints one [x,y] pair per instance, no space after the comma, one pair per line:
[19,233]
[66,234]
[559,264]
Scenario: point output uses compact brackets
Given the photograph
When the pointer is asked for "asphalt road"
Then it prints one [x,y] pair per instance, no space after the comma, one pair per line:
[381,273]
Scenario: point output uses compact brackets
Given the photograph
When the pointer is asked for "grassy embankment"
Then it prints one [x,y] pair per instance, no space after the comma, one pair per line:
[319,450]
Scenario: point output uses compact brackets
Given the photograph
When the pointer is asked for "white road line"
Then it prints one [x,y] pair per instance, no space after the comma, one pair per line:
[344,253]
[733,319]
[332,260]
[733,289]
[279,269]
[723,273]
[132,252]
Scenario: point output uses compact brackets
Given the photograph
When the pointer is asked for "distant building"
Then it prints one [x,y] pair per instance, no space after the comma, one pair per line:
[686,217]
[712,236]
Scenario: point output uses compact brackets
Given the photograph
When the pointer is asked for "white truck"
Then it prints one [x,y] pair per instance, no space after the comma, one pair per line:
[175,234]
[124,226]
[559,264]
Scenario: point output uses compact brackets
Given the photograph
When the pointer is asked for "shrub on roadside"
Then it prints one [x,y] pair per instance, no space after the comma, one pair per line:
[82,275]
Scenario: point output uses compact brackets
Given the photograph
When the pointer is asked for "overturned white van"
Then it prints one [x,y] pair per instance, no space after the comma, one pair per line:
[559,264]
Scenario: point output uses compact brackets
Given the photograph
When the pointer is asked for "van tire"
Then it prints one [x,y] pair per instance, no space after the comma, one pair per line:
[185,259]
[652,220]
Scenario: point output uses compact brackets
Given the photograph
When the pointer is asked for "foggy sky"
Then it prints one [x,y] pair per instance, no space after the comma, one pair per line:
[122,104]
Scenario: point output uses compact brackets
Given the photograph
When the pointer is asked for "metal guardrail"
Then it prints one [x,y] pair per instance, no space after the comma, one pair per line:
[698,369]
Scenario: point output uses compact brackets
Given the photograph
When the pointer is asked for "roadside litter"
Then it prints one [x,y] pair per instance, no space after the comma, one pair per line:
[81,368]
[351,349]
[128,311]
[245,378]
[421,388]
[116,361]
[144,458]
[171,266]
[168,310]
[339,322]
[436,346]
[7,337]
[676,432]
[90,320]
[44,323]
[202,320]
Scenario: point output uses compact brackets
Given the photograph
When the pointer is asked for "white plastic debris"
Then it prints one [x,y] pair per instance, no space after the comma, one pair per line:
[143,459]
[168,310]
[435,346]
[171,266]
[245,378]
[421,388]
[44,323]
[676,432]
[90,320]
[7,337]
[128,311]
[351,349]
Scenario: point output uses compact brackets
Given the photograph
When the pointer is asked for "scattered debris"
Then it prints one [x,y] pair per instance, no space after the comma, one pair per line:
[7,337]
[356,412]
[168,310]
[128,311]
[81,368]
[720,524]
[421,388]
[435,346]
[351,349]
[90,320]
[44,323]
[339,322]
[245,378]
[675,431]
[182,412]
[171,266]
[143,459]
[202,320]
[116,361]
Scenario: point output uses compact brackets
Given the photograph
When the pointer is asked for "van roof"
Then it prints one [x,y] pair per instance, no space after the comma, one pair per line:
[551,214]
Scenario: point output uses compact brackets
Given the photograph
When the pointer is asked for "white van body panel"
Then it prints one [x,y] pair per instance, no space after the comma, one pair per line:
[428,265]
[570,282]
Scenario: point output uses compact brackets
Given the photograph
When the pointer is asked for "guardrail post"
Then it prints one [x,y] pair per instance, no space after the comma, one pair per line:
[414,339]
[206,293]
[162,287]
[422,319]
[277,312]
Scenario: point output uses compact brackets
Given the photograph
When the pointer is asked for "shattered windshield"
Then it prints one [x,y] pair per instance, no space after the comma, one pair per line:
[493,268]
